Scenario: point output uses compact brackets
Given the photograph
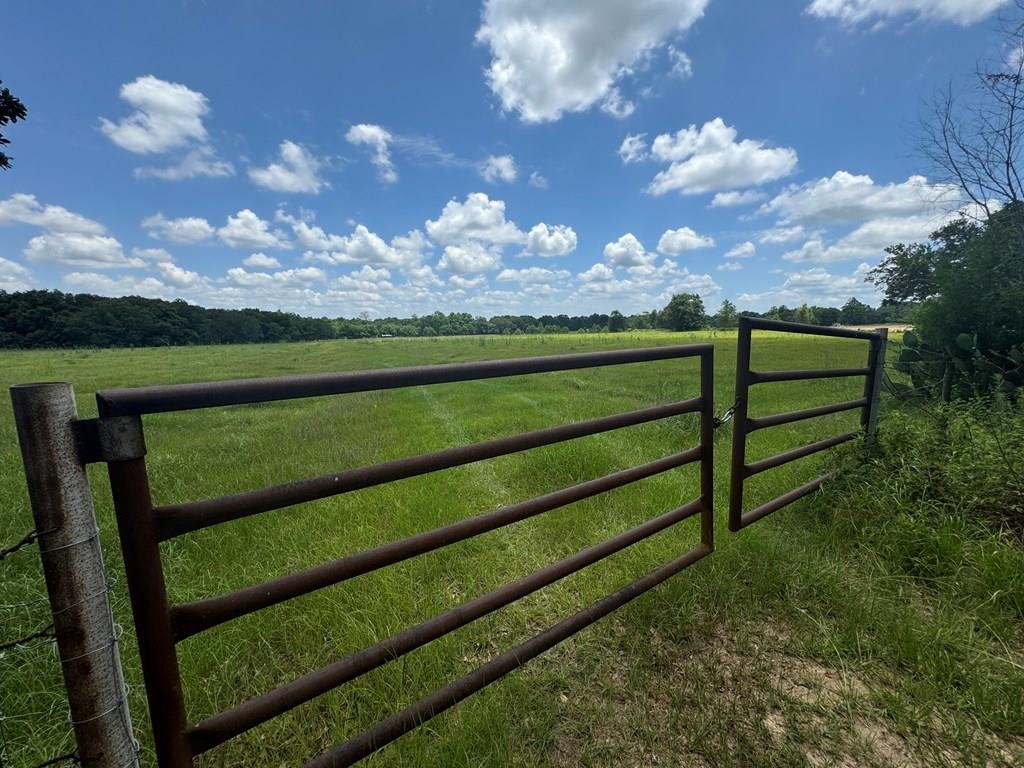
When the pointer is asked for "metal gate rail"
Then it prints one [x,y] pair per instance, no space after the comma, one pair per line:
[744,424]
[117,438]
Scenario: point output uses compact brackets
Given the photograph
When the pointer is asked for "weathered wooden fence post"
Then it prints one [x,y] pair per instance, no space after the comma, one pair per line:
[76,580]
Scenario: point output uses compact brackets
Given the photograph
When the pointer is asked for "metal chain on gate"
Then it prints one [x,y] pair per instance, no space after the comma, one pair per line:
[727,414]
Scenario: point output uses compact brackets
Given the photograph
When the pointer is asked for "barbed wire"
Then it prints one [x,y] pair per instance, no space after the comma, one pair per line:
[29,538]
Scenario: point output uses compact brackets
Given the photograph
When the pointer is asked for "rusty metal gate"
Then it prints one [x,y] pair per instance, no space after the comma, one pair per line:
[744,424]
[116,438]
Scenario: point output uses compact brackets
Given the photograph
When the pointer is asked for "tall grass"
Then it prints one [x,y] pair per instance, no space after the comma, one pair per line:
[830,576]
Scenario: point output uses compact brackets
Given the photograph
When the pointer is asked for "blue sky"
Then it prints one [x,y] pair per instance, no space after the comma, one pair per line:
[518,156]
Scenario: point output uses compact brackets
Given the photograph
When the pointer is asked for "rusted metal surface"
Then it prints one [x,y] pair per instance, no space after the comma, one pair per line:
[136,524]
[744,423]
[160,626]
[184,518]
[191,618]
[76,579]
[402,722]
[183,397]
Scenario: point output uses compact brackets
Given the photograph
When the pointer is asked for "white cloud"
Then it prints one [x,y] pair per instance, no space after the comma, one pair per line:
[152,255]
[682,65]
[627,251]
[13,276]
[741,251]
[557,240]
[778,235]
[186,230]
[744,197]
[533,275]
[300,276]
[499,168]
[845,197]
[869,240]
[552,58]
[814,286]
[478,218]
[615,105]
[362,247]
[598,273]
[128,285]
[963,12]
[538,181]
[377,139]
[25,209]
[676,241]
[298,170]
[247,230]
[469,258]
[633,148]
[467,283]
[260,260]
[167,116]
[709,159]
[729,266]
[78,250]
[178,277]
[201,161]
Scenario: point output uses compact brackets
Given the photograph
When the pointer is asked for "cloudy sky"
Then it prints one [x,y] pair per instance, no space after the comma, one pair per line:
[519,156]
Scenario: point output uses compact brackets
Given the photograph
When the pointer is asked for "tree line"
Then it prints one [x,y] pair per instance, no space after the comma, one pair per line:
[46,318]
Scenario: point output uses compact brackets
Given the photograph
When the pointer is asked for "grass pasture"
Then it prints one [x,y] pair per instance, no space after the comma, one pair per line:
[804,640]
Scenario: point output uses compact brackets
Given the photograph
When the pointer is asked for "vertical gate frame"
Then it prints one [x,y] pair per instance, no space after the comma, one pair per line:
[744,424]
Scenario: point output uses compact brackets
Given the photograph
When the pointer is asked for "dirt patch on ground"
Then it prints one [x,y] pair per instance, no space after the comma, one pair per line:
[742,699]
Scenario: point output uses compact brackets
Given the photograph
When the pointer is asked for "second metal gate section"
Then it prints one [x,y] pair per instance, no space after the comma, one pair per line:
[744,424]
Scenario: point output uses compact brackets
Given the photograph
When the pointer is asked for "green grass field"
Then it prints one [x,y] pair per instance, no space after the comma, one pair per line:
[808,639]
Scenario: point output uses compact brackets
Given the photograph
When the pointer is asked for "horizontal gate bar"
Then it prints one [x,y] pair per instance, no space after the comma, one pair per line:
[402,722]
[192,618]
[787,498]
[227,724]
[192,516]
[807,413]
[184,397]
[797,453]
[758,377]
[763,324]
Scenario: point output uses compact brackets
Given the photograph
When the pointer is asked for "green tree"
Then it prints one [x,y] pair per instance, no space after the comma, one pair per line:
[684,312]
[11,111]
[616,321]
[854,312]
[805,314]
[726,316]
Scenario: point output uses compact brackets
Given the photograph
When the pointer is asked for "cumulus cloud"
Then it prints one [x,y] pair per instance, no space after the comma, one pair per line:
[709,159]
[741,251]
[598,273]
[557,240]
[627,251]
[478,218]
[377,139]
[676,241]
[633,148]
[682,65]
[814,286]
[247,230]
[538,181]
[499,168]
[26,209]
[13,276]
[297,170]
[845,197]
[777,235]
[201,161]
[299,276]
[533,276]
[869,240]
[363,246]
[78,250]
[736,197]
[260,260]
[551,58]
[186,230]
[729,266]
[167,115]
[963,12]
[469,258]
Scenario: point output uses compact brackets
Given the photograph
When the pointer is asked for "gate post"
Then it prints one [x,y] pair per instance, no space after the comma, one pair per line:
[76,580]
[873,385]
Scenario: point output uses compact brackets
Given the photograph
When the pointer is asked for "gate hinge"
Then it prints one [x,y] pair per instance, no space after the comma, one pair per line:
[112,438]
